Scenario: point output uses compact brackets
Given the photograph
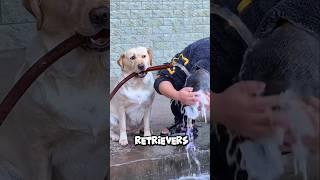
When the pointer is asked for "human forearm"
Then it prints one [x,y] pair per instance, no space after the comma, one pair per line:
[167,89]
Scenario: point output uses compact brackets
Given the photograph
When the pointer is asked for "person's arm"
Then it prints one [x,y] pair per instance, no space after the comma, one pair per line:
[162,76]
[185,95]
[170,83]
[174,76]
[166,88]
[243,110]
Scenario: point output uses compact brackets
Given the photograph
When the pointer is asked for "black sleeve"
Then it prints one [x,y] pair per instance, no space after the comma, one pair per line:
[174,75]
[162,75]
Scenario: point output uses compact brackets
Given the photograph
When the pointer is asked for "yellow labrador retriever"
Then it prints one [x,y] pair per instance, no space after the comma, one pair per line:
[131,106]
[58,129]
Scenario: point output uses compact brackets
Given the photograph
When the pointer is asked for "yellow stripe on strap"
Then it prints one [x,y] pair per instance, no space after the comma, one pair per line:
[243,5]
[171,71]
[186,60]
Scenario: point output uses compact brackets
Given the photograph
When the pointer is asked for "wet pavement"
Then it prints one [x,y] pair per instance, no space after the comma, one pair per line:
[157,162]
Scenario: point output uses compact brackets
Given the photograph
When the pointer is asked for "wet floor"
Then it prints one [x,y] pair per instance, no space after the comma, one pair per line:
[159,162]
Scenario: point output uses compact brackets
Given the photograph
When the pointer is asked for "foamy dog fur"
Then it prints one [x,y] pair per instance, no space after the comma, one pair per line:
[267,149]
[200,82]
[290,57]
[58,129]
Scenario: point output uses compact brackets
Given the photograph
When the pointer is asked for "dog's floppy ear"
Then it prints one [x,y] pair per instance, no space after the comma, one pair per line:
[33,6]
[120,61]
[150,55]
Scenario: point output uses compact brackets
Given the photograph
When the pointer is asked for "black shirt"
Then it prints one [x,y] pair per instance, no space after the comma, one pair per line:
[196,54]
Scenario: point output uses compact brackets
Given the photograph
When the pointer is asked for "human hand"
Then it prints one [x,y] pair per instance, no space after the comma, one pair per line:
[186,96]
[243,110]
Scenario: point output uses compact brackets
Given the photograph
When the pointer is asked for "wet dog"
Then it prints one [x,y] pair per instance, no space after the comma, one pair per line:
[131,106]
[58,129]
[199,80]
[297,69]
[288,60]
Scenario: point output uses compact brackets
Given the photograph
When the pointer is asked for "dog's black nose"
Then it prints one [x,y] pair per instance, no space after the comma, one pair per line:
[100,17]
[141,67]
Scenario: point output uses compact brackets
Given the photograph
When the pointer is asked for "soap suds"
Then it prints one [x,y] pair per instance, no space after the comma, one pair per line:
[192,112]
[263,158]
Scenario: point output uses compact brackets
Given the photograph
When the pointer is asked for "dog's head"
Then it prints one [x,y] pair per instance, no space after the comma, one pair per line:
[199,78]
[287,59]
[200,82]
[136,60]
[67,17]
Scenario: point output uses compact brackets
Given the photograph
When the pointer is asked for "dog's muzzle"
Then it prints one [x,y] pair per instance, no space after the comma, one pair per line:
[99,18]
[142,74]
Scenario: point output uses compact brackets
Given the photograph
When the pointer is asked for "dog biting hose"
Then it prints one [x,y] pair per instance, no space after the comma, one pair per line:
[154,68]
[40,66]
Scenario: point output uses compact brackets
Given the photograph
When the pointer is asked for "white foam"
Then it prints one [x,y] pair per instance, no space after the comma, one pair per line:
[263,158]
[192,112]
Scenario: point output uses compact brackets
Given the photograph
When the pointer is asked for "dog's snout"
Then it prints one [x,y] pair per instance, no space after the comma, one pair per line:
[100,17]
[141,67]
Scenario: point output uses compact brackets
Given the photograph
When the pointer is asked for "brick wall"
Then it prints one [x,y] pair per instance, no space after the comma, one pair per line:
[166,26]
[16,25]
[163,25]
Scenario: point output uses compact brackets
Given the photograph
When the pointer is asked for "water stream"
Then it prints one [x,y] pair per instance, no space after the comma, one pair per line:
[192,112]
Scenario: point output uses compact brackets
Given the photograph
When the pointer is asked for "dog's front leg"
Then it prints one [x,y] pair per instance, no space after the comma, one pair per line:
[40,155]
[146,122]
[123,129]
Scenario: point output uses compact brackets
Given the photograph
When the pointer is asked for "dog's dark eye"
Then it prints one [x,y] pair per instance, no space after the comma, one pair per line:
[143,56]
[132,57]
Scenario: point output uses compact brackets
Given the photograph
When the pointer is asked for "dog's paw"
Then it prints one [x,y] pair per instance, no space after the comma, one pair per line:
[147,133]
[123,141]
[114,137]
